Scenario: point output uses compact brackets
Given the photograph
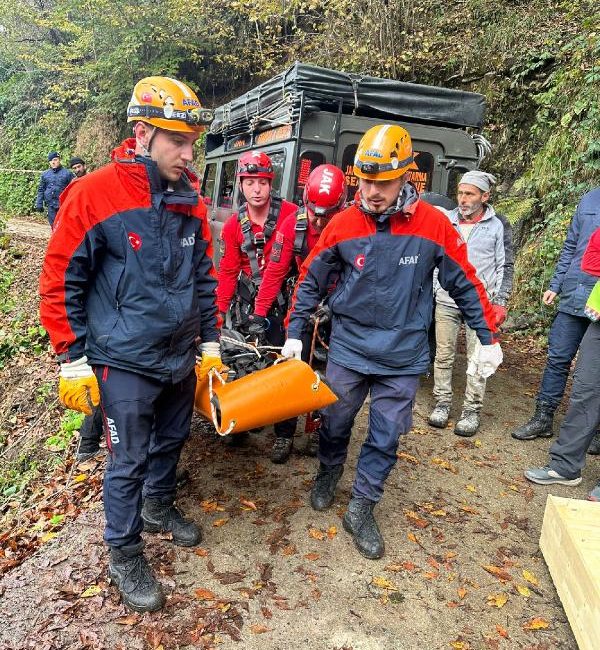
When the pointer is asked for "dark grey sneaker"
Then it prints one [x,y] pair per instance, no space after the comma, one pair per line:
[440,415]
[323,490]
[282,448]
[360,523]
[133,577]
[468,424]
[160,517]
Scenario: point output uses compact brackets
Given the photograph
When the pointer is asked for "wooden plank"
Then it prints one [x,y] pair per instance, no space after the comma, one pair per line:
[570,543]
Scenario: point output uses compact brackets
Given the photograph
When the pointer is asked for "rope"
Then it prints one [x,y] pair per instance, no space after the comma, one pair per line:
[22,171]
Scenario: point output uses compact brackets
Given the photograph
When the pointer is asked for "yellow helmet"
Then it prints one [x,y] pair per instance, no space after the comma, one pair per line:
[168,104]
[384,152]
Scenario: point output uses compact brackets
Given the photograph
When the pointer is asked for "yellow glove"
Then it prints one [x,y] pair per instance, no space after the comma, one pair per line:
[78,386]
[211,358]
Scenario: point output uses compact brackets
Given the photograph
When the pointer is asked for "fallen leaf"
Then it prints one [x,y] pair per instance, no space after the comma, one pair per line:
[471,488]
[469,509]
[383,583]
[536,623]
[210,505]
[131,619]
[414,518]
[499,573]
[312,556]
[431,575]
[497,600]
[315,533]
[331,532]
[220,522]
[48,536]
[402,455]
[477,442]
[79,478]
[201,552]
[260,629]
[462,592]
[205,594]
[524,591]
[316,594]
[438,513]
[250,505]
[288,550]
[92,590]
[413,538]
[444,464]
[531,578]
[501,631]
[459,645]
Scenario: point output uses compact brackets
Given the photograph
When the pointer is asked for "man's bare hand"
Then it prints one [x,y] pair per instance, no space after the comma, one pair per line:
[548,297]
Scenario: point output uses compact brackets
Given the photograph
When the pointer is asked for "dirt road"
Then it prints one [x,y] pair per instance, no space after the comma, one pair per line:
[460,523]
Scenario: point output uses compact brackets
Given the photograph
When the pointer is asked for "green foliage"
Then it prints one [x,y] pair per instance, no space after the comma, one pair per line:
[71,422]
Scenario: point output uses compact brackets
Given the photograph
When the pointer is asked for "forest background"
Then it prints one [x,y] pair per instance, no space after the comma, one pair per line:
[67,68]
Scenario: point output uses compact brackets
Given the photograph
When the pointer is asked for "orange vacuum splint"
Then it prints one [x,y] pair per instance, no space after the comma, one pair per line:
[285,390]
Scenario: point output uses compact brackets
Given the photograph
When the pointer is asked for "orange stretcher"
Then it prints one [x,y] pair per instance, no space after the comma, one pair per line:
[285,390]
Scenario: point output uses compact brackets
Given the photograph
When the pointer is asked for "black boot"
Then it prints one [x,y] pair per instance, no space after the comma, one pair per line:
[282,448]
[90,436]
[540,425]
[360,523]
[134,579]
[323,490]
[594,448]
[161,517]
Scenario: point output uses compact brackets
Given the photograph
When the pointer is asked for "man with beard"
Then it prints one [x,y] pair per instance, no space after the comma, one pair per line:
[476,222]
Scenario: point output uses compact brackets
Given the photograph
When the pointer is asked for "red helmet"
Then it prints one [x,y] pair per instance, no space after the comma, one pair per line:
[255,164]
[325,190]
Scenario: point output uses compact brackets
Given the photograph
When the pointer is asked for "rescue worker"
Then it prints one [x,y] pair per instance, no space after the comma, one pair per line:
[52,183]
[127,286]
[246,244]
[567,454]
[476,221]
[385,248]
[324,195]
[573,285]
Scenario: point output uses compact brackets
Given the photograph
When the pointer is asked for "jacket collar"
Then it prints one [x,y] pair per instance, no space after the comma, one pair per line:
[405,205]
[143,173]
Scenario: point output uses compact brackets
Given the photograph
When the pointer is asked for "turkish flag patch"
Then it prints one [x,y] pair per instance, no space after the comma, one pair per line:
[135,240]
[359,261]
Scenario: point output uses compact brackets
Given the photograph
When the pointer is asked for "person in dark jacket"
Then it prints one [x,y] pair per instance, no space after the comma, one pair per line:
[570,323]
[384,249]
[52,183]
[127,288]
[78,166]
[567,454]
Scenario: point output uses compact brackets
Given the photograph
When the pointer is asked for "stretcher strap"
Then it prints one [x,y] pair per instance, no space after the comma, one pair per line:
[213,372]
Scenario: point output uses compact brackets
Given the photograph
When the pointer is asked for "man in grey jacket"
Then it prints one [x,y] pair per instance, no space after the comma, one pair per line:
[476,222]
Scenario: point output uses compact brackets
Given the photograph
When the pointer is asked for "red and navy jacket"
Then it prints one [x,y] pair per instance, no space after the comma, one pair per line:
[383,302]
[282,260]
[233,257]
[128,277]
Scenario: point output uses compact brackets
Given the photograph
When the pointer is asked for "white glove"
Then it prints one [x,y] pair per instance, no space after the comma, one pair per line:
[292,349]
[76,369]
[485,360]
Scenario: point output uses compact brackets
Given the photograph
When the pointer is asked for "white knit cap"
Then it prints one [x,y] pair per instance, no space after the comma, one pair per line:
[482,180]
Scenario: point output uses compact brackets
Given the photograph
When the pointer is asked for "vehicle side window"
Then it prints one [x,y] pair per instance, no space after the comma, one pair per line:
[227,184]
[307,162]
[208,183]
[278,160]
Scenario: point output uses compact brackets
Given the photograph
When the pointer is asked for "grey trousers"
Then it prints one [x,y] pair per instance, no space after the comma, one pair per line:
[567,454]
[447,325]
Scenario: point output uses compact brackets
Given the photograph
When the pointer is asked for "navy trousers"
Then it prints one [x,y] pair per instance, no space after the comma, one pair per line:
[147,423]
[567,454]
[564,338]
[390,415]
[51,215]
